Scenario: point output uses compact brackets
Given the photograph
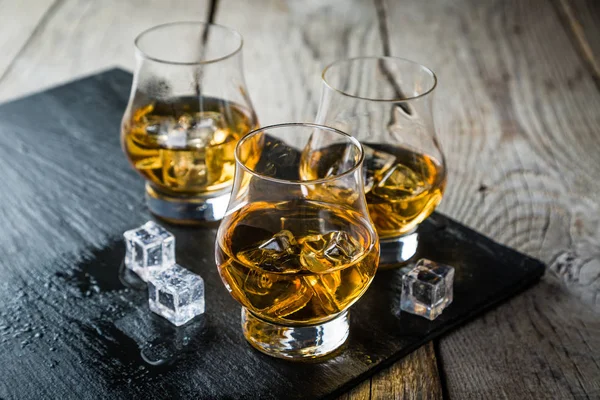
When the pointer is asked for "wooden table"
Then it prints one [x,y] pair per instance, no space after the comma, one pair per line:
[518,115]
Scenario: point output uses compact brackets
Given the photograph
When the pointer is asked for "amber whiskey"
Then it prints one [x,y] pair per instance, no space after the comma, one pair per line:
[403,187]
[296,262]
[186,145]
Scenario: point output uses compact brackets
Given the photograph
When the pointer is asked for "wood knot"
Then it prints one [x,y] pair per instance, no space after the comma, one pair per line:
[517,30]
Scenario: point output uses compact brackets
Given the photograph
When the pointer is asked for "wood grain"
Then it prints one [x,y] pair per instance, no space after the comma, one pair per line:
[414,377]
[518,118]
[541,345]
[288,43]
[582,18]
[78,37]
[360,392]
[522,169]
[19,21]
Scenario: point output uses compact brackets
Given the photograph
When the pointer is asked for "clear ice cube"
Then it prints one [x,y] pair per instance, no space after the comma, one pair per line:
[148,247]
[281,242]
[176,294]
[427,289]
[290,296]
[159,125]
[196,130]
[207,128]
[185,169]
[343,162]
[258,283]
[273,294]
[400,181]
[277,254]
[320,253]
[376,163]
[324,288]
[173,136]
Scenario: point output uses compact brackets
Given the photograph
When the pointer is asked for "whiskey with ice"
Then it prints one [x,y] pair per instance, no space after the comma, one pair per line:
[185,146]
[402,186]
[298,262]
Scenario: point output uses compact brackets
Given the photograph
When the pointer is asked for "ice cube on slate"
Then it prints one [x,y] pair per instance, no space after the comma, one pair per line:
[427,289]
[176,294]
[148,247]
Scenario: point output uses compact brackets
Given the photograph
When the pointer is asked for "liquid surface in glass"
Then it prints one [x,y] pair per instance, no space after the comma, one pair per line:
[402,187]
[297,262]
[183,150]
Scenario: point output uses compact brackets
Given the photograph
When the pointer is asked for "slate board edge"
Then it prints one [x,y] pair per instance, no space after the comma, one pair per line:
[91,75]
[444,329]
[535,267]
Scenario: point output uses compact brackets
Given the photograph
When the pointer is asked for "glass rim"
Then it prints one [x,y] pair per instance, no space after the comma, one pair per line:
[146,56]
[397,59]
[257,131]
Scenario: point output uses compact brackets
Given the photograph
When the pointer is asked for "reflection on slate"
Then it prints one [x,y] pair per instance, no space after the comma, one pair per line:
[100,339]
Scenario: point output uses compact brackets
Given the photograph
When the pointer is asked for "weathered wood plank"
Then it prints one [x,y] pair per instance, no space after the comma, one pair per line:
[518,118]
[543,344]
[287,45]
[414,377]
[360,392]
[80,37]
[18,23]
[582,17]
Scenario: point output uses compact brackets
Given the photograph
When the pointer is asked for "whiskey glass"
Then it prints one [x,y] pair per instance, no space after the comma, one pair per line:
[386,103]
[297,253]
[187,110]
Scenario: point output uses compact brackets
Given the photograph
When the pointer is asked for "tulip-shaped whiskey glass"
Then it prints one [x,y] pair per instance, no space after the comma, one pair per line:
[386,103]
[297,252]
[188,108]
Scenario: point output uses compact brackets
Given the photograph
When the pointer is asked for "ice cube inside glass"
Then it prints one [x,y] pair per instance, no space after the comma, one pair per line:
[427,289]
[377,162]
[176,294]
[148,247]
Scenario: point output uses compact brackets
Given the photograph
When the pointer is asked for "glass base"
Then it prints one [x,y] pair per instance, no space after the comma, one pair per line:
[187,209]
[295,342]
[396,252]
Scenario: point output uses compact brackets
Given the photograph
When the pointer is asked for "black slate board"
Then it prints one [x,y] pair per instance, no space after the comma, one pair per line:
[75,326]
